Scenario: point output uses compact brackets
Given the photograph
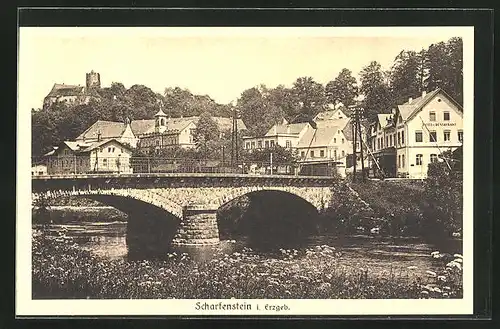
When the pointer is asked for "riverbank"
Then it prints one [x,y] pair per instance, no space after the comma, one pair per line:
[61,269]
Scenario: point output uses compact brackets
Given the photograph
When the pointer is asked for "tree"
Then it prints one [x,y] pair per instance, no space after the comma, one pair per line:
[206,135]
[309,95]
[444,66]
[377,96]
[405,76]
[343,89]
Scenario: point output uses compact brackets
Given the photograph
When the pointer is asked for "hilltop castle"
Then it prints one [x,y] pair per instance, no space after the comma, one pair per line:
[72,94]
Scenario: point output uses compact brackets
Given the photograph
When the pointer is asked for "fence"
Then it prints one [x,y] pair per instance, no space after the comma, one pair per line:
[145,164]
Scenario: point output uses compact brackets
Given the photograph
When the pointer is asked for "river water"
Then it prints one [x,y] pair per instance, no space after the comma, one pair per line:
[108,240]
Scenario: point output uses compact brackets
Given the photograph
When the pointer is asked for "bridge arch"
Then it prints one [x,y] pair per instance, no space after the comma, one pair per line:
[319,197]
[142,195]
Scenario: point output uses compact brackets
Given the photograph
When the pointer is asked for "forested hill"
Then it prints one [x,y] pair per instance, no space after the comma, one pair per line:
[61,122]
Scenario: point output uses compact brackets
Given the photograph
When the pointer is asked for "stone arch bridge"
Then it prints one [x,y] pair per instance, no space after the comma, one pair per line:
[192,198]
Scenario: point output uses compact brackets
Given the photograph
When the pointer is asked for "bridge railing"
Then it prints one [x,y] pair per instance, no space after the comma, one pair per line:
[121,164]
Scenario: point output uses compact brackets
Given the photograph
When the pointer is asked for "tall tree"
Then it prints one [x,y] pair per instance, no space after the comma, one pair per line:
[343,89]
[374,86]
[206,133]
[309,95]
[405,79]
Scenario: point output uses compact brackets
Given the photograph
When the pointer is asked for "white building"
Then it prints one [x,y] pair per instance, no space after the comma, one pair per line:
[73,157]
[416,133]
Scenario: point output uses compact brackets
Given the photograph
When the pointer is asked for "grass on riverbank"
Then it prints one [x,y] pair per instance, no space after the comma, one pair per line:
[62,270]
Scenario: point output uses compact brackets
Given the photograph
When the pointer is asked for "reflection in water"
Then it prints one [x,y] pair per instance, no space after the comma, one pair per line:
[108,240]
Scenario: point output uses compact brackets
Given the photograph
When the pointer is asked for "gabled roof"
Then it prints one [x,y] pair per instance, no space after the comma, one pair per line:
[408,110]
[66,90]
[384,119]
[318,137]
[140,127]
[107,129]
[288,129]
[95,145]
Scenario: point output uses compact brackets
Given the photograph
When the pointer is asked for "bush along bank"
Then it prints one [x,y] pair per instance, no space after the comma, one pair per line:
[431,209]
[62,270]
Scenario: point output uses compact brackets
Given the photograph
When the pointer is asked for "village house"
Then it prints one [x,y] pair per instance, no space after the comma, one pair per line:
[327,139]
[415,134]
[150,135]
[39,170]
[74,94]
[74,157]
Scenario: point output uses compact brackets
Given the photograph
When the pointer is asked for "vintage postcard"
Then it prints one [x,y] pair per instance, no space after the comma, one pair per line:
[245,171]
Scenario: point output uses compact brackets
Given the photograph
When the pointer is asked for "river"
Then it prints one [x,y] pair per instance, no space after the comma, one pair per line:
[108,240]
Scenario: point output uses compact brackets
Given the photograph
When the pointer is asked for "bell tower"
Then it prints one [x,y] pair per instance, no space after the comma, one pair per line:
[93,80]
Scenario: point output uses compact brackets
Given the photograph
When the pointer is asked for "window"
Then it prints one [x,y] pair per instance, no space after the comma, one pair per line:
[460,136]
[343,141]
[302,154]
[259,144]
[399,138]
[418,136]
[272,143]
[247,145]
[446,135]
[104,161]
[288,144]
[390,140]
[434,158]
[399,161]
[266,143]
[403,137]
[432,116]
[335,154]
[386,141]
[322,153]
[432,136]
[109,149]
[402,160]
[446,116]
[334,140]
[343,153]
[312,154]
[418,159]
[253,145]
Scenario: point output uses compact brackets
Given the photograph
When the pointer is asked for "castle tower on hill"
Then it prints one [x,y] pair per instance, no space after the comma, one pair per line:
[93,80]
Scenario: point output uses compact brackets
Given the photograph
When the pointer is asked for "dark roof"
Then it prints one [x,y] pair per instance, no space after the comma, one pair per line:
[66,90]
[108,130]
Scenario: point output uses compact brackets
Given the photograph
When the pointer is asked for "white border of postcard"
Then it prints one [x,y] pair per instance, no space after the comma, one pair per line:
[26,306]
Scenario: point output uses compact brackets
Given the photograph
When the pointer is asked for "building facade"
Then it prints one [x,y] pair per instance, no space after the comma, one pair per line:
[74,94]
[72,157]
[416,133]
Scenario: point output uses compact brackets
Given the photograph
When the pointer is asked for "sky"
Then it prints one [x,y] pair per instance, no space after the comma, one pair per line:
[219,62]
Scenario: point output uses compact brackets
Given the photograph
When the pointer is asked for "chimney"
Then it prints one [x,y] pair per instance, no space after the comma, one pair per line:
[410,100]
[423,93]
[99,136]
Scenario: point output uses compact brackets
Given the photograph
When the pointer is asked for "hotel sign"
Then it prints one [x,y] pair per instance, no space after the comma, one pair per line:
[441,124]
